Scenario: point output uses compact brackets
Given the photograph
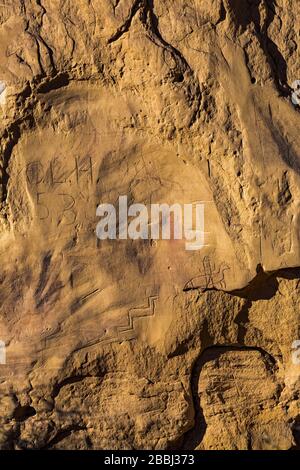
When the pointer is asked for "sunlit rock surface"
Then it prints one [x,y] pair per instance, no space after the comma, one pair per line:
[141,344]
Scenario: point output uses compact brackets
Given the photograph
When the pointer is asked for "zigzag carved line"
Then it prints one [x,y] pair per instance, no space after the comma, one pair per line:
[138,312]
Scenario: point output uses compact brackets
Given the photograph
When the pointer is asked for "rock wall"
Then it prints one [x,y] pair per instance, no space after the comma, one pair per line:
[141,344]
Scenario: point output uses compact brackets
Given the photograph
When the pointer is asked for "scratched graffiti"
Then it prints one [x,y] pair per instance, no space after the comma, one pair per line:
[55,173]
[58,190]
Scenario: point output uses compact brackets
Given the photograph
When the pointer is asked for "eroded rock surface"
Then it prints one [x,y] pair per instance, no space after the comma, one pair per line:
[133,343]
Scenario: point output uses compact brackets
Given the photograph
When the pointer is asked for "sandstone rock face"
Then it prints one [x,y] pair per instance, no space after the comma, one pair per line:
[142,344]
